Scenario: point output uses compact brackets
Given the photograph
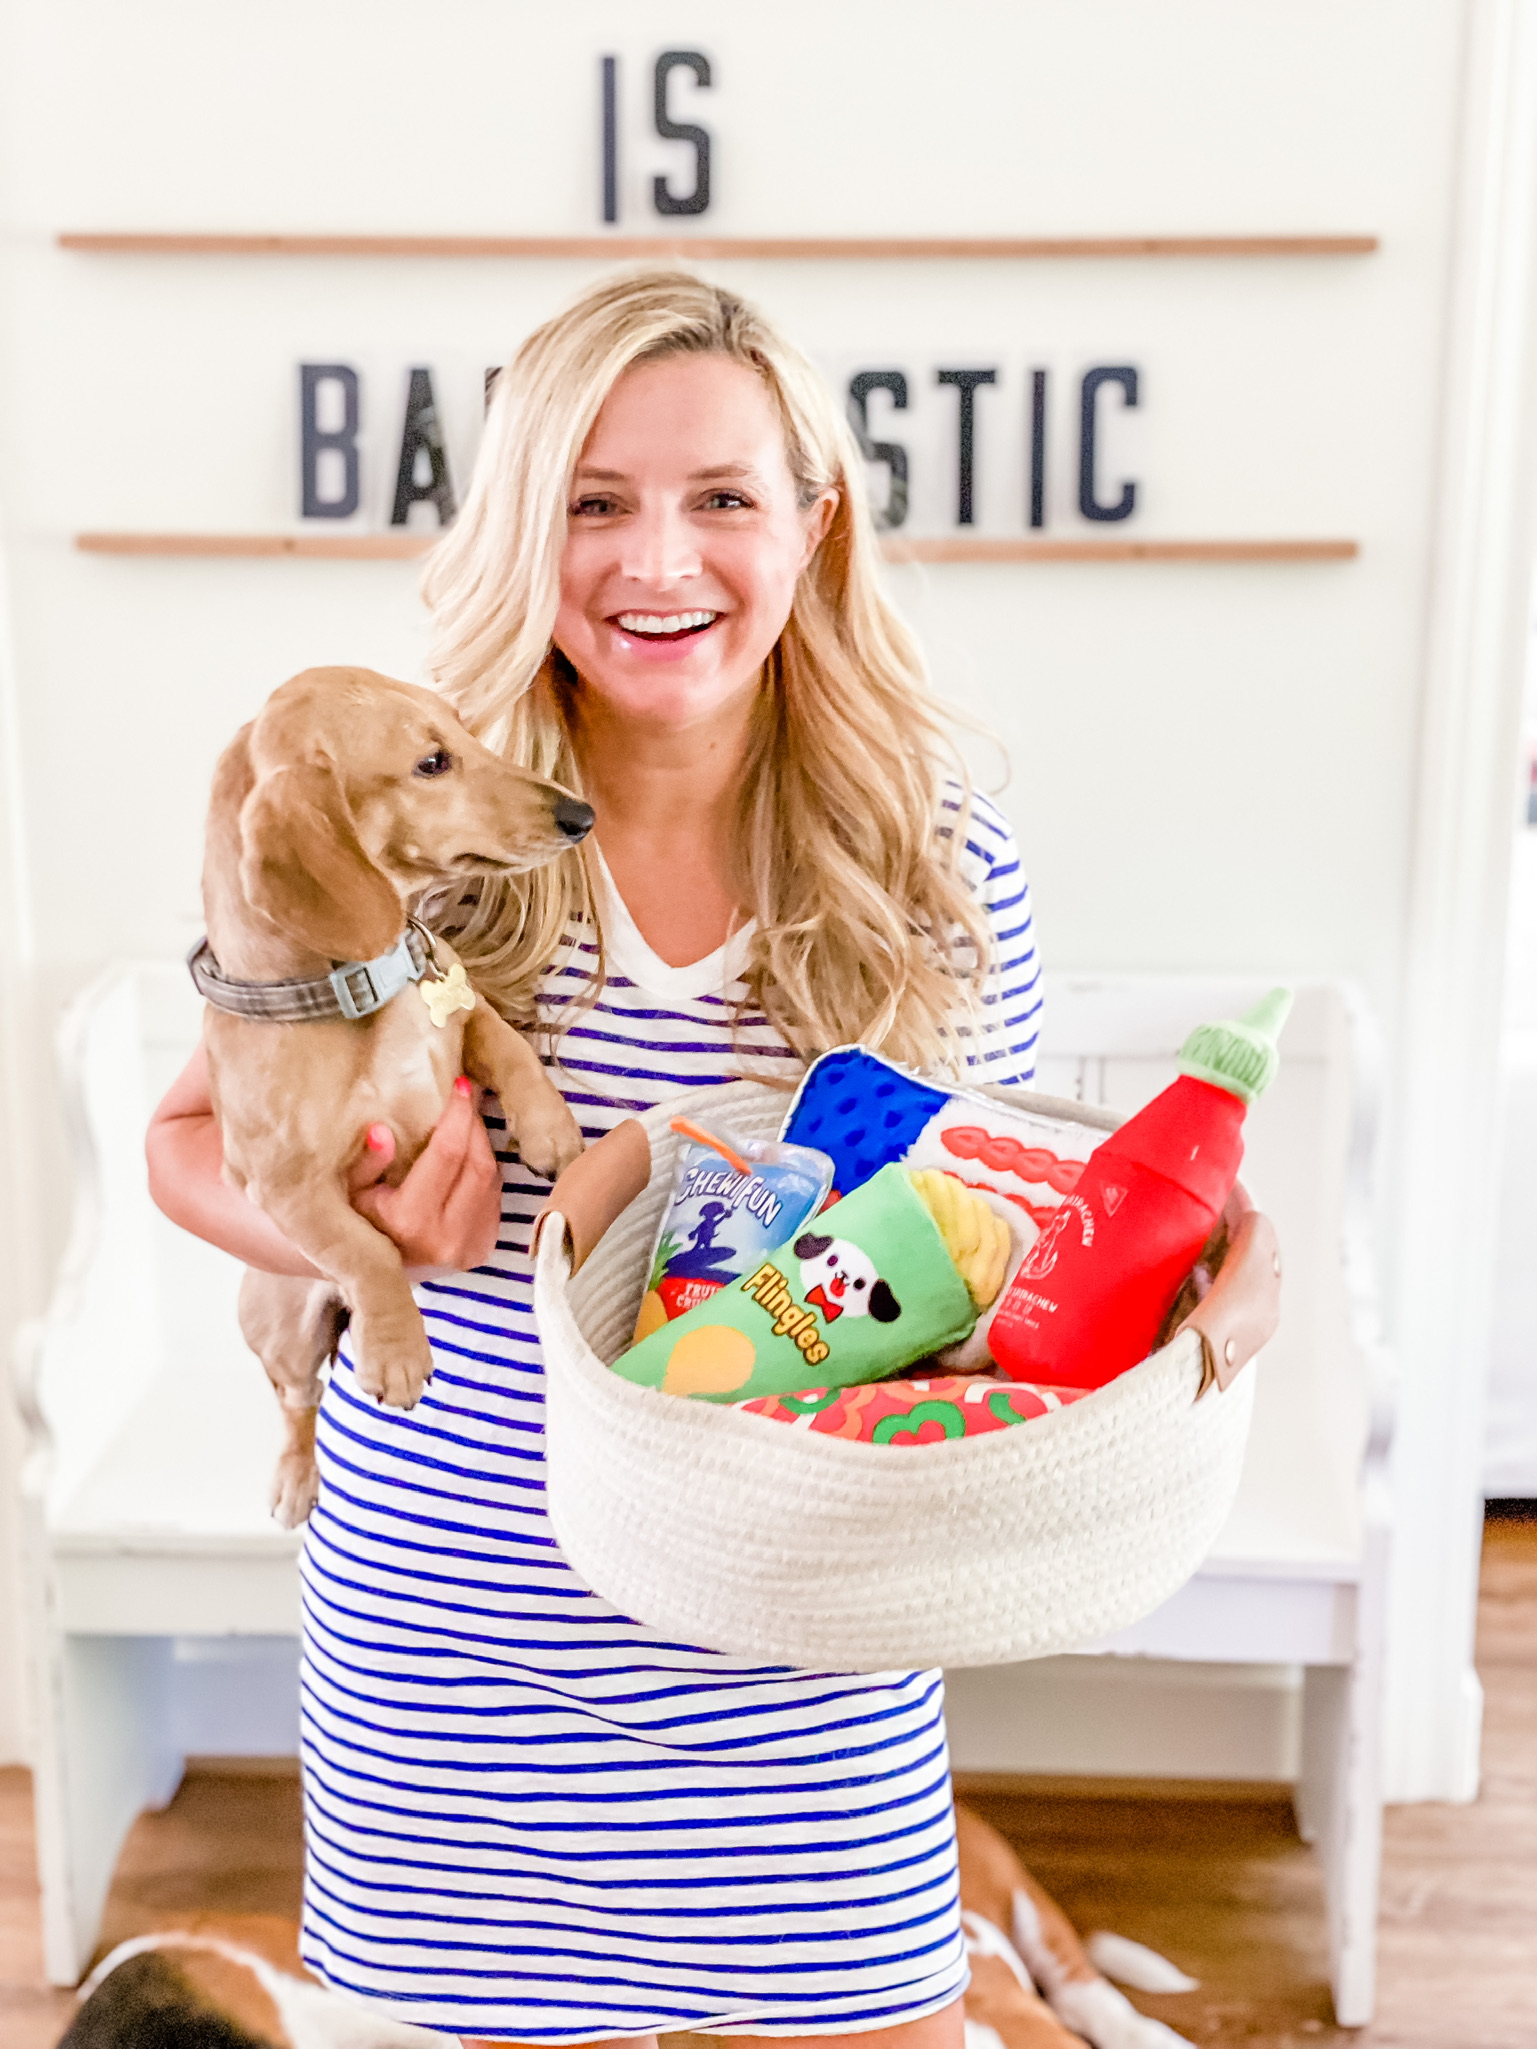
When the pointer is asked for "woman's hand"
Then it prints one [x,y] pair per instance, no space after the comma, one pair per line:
[446,1213]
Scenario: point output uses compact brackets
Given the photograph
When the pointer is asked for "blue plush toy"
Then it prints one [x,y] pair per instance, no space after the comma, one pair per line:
[862,1112]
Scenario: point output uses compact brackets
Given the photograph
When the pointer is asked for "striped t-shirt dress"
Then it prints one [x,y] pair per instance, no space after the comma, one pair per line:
[528,1817]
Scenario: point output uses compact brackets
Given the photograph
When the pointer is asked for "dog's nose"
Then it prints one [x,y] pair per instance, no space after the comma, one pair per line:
[574,817]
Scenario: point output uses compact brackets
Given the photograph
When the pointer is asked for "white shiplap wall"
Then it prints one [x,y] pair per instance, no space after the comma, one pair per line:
[1212,767]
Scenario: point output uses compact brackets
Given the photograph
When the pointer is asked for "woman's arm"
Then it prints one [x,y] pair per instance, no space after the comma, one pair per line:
[186,1160]
[444,1215]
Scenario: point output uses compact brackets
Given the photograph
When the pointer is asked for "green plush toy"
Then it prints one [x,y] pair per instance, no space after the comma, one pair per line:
[895,1270]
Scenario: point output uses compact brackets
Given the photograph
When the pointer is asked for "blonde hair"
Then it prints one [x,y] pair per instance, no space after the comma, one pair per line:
[866,929]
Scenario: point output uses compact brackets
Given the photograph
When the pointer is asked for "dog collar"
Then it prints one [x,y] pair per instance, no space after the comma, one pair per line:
[353,989]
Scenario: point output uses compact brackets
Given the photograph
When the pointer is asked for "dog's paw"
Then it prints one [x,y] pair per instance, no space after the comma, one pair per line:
[549,1139]
[393,1360]
[1107,2019]
[295,1489]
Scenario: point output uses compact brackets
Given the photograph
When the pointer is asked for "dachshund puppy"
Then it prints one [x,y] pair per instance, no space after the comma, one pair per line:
[1033,1983]
[347,799]
[188,1991]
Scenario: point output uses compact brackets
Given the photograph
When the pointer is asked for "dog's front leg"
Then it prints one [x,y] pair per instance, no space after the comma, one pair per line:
[389,1346]
[547,1133]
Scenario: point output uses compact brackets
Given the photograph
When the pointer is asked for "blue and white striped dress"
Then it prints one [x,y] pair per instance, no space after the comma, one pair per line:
[527,1817]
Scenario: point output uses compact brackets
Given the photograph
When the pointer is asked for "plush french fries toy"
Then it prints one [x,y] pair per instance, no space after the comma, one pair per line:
[889,1274]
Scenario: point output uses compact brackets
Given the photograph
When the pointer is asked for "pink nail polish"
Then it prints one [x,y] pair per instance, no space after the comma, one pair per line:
[378,1137]
[464,1086]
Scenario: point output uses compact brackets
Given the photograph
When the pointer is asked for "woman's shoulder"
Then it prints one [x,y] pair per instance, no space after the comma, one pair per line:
[988,854]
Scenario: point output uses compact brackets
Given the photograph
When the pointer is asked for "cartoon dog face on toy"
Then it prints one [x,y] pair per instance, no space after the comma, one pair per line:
[841,1280]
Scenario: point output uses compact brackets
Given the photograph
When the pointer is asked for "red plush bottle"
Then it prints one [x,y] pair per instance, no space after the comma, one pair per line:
[1090,1296]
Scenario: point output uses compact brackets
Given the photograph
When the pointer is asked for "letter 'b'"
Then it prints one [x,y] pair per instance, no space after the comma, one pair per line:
[316,441]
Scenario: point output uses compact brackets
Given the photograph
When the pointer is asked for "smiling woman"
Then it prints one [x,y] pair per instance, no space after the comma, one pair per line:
[529,1818]
[695,464]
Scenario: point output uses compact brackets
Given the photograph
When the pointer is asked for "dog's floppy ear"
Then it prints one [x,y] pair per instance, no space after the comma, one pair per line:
[303,866]
[884,1306]
[810,1246]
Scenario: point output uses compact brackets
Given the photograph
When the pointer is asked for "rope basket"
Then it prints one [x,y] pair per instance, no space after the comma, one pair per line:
[742,1535]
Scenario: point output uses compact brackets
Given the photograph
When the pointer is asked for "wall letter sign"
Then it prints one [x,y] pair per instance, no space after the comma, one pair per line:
[609,69]
[340,383]
[891,453]
[1088,498]
[421,445]
[1037,448]
[960,463]
[966,382]
[698,200]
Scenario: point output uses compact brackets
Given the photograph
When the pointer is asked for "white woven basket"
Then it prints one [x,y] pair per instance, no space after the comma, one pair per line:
[754,1538]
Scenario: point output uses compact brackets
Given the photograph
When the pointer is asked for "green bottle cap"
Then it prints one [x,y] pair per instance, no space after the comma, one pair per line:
[1239,1056]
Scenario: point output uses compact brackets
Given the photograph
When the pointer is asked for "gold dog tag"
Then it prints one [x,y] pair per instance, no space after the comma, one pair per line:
[447,994]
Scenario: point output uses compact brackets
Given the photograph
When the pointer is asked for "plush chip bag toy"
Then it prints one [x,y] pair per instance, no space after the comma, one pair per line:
[902,1266]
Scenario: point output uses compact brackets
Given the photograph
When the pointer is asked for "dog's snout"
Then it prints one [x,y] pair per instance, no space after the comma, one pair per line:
[574,817]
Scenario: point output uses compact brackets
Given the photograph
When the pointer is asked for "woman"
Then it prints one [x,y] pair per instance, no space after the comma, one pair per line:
[528,1820]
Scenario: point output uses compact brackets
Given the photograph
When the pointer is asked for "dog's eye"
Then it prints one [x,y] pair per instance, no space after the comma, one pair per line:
[439,762]
[857,1286]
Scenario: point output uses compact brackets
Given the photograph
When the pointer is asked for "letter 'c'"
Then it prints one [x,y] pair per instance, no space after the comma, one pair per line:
[1088,498]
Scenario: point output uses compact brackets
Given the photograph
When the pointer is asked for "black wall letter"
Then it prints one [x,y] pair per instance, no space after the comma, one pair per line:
[1088,501]
[313,439]
[682,131]
[891,453]
[422,436]
[966,382]
[1037,447]
[609,67]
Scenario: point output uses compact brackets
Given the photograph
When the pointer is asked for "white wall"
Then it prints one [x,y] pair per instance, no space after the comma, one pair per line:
[1213,767]
[1510,1435]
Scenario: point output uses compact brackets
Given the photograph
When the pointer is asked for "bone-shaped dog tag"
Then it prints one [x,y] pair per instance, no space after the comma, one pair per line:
[447,994]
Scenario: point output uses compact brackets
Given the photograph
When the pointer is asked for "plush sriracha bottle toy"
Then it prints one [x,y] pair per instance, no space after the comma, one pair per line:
[1091,1295]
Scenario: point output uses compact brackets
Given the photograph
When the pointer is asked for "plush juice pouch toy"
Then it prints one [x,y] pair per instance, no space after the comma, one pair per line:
[730,1205]
[899,1268]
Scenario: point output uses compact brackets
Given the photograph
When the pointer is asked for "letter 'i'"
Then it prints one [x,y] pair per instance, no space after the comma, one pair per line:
[609,72]
[1037,448]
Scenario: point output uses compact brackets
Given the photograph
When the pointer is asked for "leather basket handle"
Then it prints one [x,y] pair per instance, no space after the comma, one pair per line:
[594,1189]
[1242,1309]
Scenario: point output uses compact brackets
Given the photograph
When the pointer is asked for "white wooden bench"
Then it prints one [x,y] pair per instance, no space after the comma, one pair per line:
[153,1436]
[1298,1576]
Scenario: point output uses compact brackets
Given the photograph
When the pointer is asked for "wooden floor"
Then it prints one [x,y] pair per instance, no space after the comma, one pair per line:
[1221,1884]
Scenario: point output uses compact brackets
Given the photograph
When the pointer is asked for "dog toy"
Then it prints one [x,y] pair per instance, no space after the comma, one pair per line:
[730,1205]
[866,1114]
[913,1411]
[1092,1294]
[862,1111]
[901,1267]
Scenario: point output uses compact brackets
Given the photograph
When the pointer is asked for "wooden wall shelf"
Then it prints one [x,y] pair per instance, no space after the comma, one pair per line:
[717,248]
[360,547]
[344,547]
